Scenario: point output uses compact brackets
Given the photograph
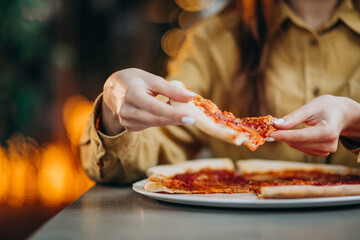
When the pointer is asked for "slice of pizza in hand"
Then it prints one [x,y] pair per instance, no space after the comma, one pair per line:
[250,131]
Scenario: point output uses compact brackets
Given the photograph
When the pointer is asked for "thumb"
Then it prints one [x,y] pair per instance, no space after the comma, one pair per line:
[174,90]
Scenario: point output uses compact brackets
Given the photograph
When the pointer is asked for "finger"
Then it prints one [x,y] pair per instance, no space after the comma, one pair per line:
[150,122]
[135,116]
[171,90]
[317,133]
[303,114]
[158,85]
[132,125]
[321,147]
[156,107]
[314,149]
[317,153]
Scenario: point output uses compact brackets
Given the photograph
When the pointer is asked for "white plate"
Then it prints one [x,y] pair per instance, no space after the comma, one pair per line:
[244,200]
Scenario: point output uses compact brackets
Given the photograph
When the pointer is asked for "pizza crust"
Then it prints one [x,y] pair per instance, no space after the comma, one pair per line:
[157,187]
[170,170]
[207,124]
[264,166]
[308,191]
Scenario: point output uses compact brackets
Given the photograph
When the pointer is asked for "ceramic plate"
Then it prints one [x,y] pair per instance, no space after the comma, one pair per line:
[244,200]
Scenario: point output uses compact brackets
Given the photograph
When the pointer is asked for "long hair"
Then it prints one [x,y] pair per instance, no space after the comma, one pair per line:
[256,30]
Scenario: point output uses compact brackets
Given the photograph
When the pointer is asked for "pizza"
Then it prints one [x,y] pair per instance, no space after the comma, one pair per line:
[250,131]
[266,178]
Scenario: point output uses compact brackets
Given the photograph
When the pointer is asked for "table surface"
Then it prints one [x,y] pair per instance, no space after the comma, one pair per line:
[120,213]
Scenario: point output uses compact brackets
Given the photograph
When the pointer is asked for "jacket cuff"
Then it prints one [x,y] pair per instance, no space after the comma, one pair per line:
[100,152]
[353,145]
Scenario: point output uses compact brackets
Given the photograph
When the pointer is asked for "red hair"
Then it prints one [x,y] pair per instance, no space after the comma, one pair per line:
[256,28]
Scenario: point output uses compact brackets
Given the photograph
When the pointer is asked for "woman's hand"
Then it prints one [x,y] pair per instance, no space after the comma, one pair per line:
[328,117]
[129,102]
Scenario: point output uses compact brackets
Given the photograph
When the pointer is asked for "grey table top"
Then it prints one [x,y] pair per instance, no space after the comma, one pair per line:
[120,213]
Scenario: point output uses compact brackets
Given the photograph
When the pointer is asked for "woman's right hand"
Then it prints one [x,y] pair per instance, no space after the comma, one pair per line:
[129,102]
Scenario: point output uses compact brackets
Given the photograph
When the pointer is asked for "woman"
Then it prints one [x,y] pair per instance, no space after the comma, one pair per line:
[295,57]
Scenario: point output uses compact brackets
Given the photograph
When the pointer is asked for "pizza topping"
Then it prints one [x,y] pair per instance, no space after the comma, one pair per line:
[206,181]
[229,181]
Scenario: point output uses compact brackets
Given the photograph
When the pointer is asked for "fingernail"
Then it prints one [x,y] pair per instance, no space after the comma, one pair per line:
[270,139]
[278,121]
[177,83]
[188,120]
[189,93]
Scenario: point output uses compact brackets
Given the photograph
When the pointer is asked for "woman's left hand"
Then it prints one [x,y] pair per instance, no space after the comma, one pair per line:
[328,118]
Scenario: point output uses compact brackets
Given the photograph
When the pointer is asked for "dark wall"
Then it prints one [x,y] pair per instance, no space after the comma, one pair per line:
[51,50]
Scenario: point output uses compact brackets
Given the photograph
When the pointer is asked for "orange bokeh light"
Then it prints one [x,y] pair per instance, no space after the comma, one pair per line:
[52,173]
[172,40]
[194,5]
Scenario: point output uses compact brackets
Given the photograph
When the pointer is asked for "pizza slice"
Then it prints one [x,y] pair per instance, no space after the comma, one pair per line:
[195,176]
[284,179]
[252,132]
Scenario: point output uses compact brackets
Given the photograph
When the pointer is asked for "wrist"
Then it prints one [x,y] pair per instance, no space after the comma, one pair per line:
[108,122]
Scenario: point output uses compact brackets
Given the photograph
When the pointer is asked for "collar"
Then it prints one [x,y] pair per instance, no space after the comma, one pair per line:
[349,16]
[345,13]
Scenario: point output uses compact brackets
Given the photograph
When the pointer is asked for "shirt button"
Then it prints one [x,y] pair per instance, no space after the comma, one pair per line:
[313,42]
[316,92]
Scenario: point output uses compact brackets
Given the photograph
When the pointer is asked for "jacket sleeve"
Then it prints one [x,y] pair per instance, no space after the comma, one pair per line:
[124,158]
[352,145]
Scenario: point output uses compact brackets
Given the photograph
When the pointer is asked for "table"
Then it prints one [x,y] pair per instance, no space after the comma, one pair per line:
[106,212]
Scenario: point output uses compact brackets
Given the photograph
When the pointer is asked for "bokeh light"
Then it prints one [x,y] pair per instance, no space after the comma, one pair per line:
[50,174]
[195,5]
[77,110]
[172,41]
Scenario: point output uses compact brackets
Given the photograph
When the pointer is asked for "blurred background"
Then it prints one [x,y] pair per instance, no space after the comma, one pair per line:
[55,57]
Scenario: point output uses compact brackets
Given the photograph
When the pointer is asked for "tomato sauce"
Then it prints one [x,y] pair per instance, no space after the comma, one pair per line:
[256,128]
